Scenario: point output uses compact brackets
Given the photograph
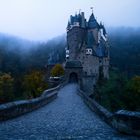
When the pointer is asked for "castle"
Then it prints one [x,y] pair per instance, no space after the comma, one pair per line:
[87,47]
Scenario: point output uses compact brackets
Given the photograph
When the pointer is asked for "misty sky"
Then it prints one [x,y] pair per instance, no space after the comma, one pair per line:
[45,19]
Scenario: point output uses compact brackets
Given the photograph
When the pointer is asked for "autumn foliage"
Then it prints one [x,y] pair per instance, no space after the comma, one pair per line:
[30,85]
[34,84]
[6,87]
[57,70]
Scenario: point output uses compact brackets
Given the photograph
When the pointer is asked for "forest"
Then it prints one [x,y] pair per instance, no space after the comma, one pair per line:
[22,62]
[23,66]
[125,49]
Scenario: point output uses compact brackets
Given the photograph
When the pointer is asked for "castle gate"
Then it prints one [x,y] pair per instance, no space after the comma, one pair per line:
[73,72]
[73,78]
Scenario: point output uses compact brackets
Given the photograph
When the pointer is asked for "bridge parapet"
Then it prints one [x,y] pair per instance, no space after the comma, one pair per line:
[124,121]
[17,108]
[127,121]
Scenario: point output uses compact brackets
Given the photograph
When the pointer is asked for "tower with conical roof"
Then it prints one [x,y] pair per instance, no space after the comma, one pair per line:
[87,43]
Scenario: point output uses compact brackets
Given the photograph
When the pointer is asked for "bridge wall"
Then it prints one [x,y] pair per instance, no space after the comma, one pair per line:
[17,108]
[124,121]
[88,83]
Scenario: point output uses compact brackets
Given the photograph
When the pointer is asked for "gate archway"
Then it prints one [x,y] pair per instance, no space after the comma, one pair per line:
[73,77]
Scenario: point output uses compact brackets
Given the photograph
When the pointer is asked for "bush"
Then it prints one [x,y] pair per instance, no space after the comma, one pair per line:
[132,93]
[6,88]
[34,84]
[57,70]
[119,92]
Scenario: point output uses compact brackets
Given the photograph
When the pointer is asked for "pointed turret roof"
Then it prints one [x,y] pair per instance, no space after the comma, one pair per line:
[92,23]
[92,17]
[101,50]
[102,27]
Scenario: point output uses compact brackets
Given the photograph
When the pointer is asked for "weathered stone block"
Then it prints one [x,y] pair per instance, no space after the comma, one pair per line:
[127,121]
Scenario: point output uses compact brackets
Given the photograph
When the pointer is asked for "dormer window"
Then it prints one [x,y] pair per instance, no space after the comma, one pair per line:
[88,51]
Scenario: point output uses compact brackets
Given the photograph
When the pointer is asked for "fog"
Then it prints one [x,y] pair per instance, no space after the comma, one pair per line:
[41,20]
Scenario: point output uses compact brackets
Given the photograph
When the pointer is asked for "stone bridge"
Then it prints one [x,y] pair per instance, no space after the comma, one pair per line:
[67,117]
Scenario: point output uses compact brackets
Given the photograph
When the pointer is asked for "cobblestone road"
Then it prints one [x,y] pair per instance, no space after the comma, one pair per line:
[65,118]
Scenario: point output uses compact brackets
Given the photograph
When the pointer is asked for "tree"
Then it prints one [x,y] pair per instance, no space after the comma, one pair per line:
[109,92]
[34,84]
[57,70]
[6,88]
[135,85]
[132,93]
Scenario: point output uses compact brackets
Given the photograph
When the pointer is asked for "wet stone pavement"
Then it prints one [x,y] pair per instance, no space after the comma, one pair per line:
[67,117]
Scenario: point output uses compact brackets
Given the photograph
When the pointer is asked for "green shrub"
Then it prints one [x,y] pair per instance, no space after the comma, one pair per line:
[34,84]
[6,88]
[132,93]
[118,92]
[57,70]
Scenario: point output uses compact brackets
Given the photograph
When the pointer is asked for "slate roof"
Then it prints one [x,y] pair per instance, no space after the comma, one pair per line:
[101,50]
[102,27]
[75,18]
[73,64]
[92,23]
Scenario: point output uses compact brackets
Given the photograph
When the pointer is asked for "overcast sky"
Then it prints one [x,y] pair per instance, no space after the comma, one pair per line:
[45,19]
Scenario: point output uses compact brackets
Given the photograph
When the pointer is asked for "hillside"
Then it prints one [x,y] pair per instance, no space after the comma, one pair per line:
[125,49]
[17,55]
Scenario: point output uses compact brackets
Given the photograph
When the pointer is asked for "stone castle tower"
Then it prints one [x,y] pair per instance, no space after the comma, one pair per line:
[87,46]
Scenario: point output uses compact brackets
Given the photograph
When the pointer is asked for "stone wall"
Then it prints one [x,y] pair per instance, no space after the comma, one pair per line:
[75,39]
[127,121]
[124,121]
[106,67]
[17,108]
[88,83]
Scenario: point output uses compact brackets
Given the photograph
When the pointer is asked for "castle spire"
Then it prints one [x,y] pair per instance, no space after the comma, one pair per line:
[92,23]
[92,14]
[91,9]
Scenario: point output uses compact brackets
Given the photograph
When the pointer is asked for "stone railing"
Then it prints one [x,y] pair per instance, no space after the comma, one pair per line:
[127,122]
[17,108]
[124,121]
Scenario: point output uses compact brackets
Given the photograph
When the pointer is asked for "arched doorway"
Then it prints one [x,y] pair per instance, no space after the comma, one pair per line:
[73,78]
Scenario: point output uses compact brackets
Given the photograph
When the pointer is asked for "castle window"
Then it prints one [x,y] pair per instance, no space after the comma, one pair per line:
[88,51]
